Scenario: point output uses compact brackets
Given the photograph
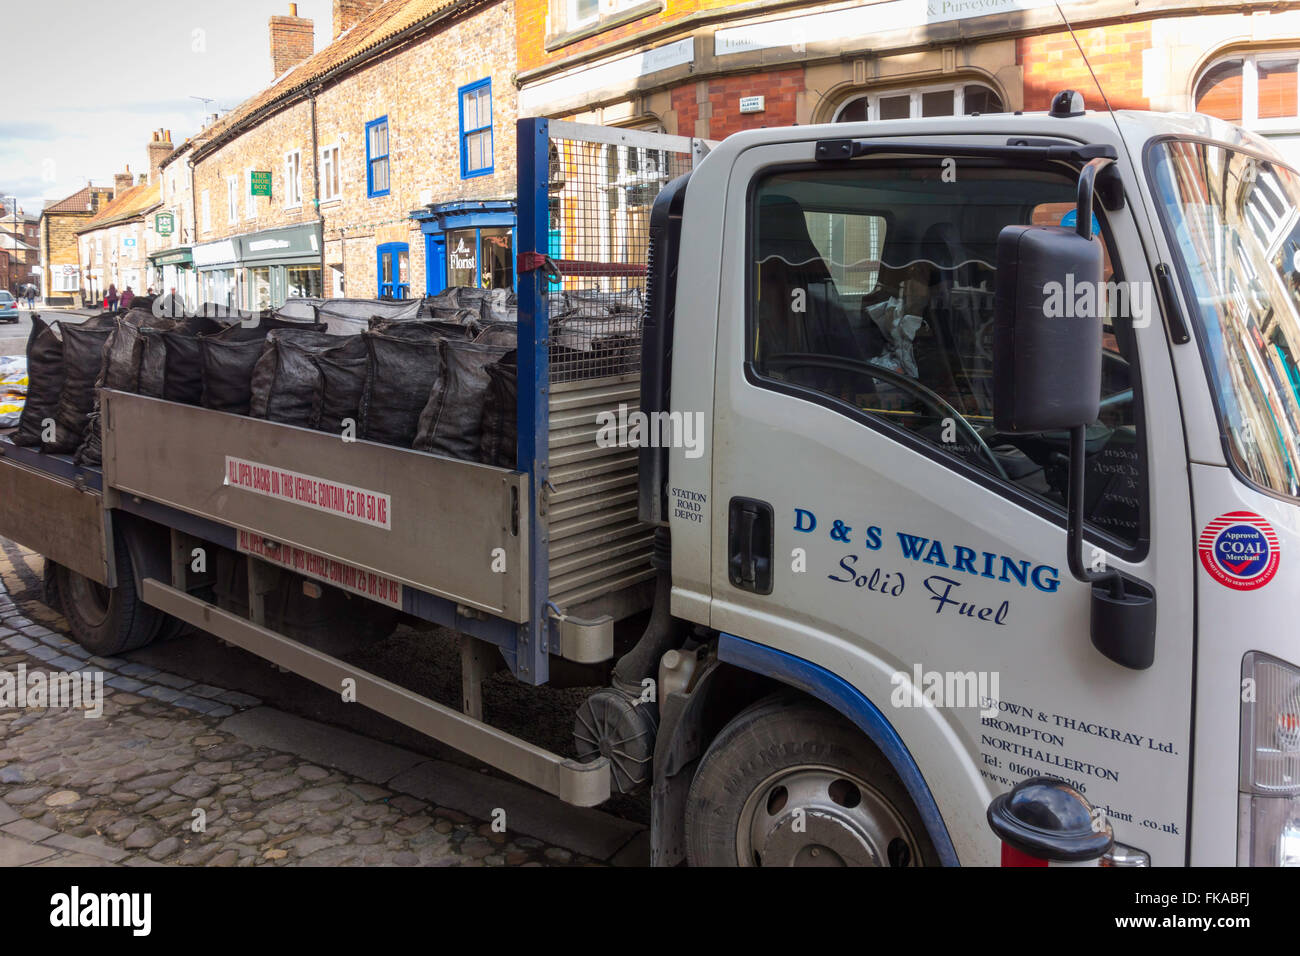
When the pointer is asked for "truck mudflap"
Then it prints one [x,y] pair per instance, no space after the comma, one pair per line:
[61,516]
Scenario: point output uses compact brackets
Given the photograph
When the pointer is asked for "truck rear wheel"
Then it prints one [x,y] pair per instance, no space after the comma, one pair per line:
[107,621]
[789,782]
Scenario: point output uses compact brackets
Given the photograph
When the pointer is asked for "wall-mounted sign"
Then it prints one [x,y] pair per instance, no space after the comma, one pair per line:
[259,183]
[128,242]
[164,223]
[752,104]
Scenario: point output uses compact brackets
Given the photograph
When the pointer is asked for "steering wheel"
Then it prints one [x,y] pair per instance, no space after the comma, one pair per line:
[925,394]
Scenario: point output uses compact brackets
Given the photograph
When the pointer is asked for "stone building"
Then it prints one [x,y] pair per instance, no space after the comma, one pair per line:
[348,174]
[61,280]
[707,68]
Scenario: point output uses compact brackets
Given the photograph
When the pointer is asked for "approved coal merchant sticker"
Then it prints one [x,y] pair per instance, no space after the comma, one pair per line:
[332,497]
[1240,550]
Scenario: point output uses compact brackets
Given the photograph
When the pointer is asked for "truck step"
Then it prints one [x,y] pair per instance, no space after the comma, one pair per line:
[581,784]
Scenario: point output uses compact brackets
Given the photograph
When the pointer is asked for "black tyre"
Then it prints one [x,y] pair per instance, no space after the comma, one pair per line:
[107,621]
[789,782]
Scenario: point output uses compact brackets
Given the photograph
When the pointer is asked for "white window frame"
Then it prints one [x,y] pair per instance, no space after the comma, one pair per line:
[563,15]
[232,198]
[205,206]
[293,179]
[250,201]
[958,91]
[326,164]
[1250,89]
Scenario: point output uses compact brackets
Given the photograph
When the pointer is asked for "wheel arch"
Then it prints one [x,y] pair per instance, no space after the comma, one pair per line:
[743,672]
[847,700]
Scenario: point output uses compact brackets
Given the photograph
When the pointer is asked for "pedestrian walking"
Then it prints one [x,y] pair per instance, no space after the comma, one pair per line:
[127,296]
[111,299]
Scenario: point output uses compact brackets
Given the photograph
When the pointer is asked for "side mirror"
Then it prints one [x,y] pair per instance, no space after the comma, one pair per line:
[1046,330]
[1047,377]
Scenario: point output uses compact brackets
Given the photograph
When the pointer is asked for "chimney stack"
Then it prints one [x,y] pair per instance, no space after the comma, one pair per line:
[160,147]
[348,13]
[122,182]
[293,39]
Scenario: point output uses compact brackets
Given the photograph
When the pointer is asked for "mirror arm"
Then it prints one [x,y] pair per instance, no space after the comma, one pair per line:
[1086,193]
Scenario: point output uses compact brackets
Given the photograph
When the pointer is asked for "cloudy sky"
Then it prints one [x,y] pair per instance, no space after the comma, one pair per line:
[101,75]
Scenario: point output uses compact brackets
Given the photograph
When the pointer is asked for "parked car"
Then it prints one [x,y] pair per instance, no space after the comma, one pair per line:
[8,307]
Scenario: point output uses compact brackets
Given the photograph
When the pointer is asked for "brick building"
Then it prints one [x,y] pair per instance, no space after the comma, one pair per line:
[20,243]
[707,68]
[61,279]
[349,174]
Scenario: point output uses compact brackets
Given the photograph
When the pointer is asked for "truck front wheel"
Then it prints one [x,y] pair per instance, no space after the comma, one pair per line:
[107,621]
[789,782]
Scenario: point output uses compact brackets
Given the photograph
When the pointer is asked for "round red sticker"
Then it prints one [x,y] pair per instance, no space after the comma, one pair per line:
[1240,550]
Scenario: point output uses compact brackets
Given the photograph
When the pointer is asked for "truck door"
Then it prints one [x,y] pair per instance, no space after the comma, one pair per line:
[913,545]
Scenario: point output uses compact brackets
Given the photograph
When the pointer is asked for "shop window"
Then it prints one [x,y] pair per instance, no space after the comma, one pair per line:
[394,270]
[303,282]
[962,99]
[476,129]
[481,258]
[377,157]
[1254,90]
[259,287]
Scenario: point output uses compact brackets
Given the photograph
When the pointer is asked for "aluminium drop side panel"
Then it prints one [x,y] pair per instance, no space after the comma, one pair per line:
[429,522]
[55,518]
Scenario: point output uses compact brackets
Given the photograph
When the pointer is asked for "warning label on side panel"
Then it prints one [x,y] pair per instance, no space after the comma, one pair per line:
[346,577]
[332,497]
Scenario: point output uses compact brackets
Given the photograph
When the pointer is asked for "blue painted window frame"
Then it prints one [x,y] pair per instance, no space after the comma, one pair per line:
[400,290]
[371,160]
[465,171]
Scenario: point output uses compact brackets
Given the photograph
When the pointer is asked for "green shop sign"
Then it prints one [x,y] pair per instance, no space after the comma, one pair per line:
[164,223]
[259,183]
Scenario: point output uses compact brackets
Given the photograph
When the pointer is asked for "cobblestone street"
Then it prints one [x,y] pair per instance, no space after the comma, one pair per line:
[179,773]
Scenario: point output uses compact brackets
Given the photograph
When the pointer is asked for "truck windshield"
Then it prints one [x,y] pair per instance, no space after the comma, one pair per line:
[1233,219]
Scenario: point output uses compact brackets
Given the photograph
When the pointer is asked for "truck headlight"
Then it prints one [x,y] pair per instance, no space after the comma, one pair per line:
[1268,826]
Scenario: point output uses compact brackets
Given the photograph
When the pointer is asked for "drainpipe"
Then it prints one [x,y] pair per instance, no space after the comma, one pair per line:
[194,233]
[315,181]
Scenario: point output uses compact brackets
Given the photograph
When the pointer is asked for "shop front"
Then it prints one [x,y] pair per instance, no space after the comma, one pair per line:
[280,264]
[215,263]
[468,244]
[173,271]
[262,269]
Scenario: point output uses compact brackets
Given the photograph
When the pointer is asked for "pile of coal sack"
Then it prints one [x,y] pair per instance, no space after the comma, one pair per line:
[437,375]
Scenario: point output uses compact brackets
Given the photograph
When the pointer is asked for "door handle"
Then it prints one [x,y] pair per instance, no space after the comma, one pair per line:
[749,545]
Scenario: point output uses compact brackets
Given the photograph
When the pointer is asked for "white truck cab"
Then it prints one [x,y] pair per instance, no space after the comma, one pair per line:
[877,520]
